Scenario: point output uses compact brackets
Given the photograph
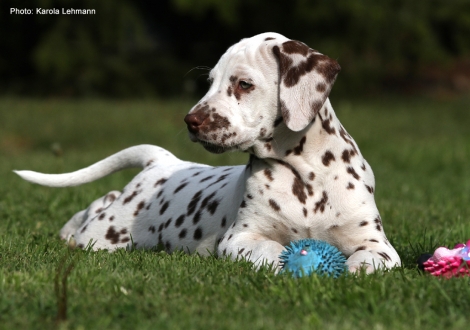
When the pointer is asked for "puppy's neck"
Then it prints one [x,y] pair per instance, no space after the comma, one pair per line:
[309,150]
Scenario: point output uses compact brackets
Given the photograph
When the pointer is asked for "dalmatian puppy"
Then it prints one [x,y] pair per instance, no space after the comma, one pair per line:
[306,177]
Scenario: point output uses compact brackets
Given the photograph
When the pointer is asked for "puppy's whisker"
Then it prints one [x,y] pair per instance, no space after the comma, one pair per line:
[198,68]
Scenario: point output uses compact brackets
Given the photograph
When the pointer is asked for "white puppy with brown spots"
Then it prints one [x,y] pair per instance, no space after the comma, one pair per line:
[306,176]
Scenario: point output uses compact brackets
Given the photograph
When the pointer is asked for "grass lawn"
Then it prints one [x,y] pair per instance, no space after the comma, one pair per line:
[419,150]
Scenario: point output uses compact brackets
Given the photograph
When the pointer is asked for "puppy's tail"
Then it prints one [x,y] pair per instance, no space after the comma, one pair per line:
[137,156]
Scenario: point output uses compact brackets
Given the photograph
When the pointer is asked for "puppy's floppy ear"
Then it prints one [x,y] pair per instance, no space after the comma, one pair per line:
[305,81]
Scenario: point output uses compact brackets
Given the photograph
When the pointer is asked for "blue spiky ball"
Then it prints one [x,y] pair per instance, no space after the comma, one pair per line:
[307,256]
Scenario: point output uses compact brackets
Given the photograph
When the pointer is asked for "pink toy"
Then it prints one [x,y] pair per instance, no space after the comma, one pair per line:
[450,263]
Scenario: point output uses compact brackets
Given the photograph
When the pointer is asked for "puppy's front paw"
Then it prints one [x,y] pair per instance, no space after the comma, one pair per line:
[363,260]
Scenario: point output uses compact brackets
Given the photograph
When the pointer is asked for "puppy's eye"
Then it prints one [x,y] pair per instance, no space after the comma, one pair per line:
[244,84]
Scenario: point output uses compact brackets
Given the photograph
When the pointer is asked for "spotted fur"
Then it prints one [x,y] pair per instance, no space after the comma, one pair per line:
[306,177]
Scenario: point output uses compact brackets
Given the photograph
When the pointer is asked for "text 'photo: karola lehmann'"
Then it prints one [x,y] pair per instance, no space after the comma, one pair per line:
[52,11]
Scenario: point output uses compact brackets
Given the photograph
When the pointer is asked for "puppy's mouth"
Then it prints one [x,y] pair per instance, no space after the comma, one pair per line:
[215,149]
[211,147]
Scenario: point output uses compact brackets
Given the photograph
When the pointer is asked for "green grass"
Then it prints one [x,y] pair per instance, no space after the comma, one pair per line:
[419,150]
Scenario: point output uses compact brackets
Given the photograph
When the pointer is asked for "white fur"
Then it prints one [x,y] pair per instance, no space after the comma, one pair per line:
[306,176]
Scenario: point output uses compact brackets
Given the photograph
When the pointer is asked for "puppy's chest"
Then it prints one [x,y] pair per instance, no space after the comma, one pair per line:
[310,195]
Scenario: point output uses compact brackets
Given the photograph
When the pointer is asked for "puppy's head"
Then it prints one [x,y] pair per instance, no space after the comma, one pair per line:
[259,85]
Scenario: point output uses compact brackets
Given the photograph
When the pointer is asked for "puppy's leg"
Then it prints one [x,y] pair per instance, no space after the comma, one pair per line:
[372,258]
[254,247]
[93,210]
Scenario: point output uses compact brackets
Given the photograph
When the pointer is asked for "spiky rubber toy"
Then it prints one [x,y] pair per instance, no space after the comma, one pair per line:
[450,263]
[307,256]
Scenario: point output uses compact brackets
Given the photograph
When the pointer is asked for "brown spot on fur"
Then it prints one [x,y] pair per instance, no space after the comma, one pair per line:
[182,233]
[130,198]
[206,178]
[347,138]
[275,206]
[320,205]
[305,212]
[327,158]
[193,203]
[298,190]
[160,182]
[320,87]
[206,200]
[369,189]
[179,221]
[360,248]
[102,215]
[152,229]
[268,174]
[269,38]
[309,189]
[229,91]
[167,223]
[212,207]
[112,235]
[351,171]
[363,223]
[140,206]
[198,234]
[346,155]
[218,122]
[328,68]
[311,176]
[295,47]
[373,240]
[181,186]
[298,150]
[164,207]
[350,186]
[197,217]
[326,126]
[223,222]
[384,255]
[292,73]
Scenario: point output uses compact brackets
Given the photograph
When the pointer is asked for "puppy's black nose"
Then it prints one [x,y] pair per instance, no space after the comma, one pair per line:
[194,121]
